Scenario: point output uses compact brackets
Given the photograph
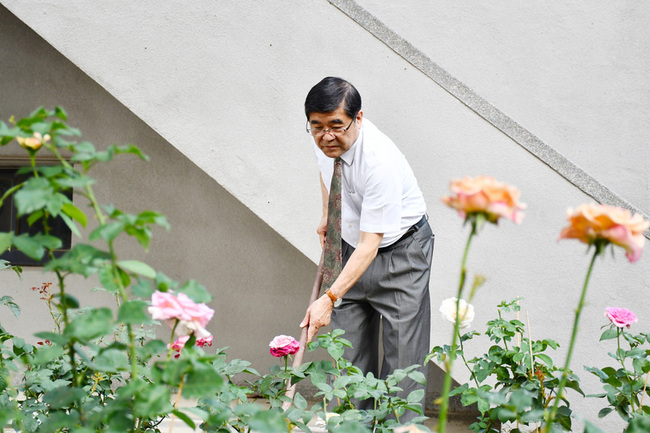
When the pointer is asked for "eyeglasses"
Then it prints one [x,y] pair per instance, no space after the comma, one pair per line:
[337,130]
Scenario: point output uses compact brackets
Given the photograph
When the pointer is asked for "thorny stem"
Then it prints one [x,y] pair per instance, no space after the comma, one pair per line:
[462,355]
[621,358]
[102,220]
[444,406]
[600,246]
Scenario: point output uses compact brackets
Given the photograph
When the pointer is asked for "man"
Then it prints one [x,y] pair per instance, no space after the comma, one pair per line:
[387,244]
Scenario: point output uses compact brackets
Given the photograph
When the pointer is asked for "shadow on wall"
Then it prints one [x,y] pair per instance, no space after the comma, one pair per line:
[259,282]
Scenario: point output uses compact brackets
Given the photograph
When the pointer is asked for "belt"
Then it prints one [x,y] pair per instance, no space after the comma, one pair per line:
[414,228]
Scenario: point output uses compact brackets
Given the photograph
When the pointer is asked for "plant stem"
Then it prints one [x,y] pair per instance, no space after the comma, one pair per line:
[645,386]
[444,406]
[462,355]
[171,341]
[178,397]
[621,358]
[565,371]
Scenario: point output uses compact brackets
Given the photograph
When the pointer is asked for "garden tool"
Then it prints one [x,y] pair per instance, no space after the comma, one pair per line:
[297,360]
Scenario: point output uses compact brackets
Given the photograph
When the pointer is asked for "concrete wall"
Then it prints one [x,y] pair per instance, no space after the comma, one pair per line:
[224,82]
[213,237]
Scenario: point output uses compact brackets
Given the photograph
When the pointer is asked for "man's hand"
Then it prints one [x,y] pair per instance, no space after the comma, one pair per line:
[321,230]
[318,315]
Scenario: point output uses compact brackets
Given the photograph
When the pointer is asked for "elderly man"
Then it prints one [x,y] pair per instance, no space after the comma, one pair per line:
[386,244]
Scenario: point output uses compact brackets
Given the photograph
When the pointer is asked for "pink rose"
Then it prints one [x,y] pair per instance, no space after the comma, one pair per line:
[201,342]
[34,142]
[592,222]
[284,345]
[180,311]
[620,317]
[179,344]
[484,195]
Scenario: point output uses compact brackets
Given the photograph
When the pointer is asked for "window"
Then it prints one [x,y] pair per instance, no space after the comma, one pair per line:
[9,222]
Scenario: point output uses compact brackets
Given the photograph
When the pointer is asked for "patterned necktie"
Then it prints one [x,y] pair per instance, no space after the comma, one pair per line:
[332,262]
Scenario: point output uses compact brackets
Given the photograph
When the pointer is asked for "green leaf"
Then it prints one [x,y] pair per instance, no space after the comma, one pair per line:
[5,241]
[605,411]
[8,302]
[63,397]
[111,360]
[67,301]
[90,325]
[299,401]
[151,401]
[609,334]
[82,259]
[185,418]
[60,113]
[107,232]
[35,246]
[35,194]
[415,396]
[202,380]
[137,267]
[107,278]
[53,337]
[75,213]
[48,354]
[133,312]
[268,421]
[335,351]
[196,291]
[418,377]
[547,359]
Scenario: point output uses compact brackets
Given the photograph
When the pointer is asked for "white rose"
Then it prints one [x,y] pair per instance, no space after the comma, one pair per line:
[448,310]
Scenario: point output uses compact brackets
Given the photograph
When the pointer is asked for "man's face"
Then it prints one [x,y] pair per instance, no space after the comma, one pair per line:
[332,143]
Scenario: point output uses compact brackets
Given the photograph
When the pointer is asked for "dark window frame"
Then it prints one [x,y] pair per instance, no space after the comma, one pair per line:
[9,222]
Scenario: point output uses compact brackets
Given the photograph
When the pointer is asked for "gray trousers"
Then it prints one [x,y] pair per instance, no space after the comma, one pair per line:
[393,292]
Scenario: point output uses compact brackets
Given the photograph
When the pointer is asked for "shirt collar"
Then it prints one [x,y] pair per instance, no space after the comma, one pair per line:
[348,156]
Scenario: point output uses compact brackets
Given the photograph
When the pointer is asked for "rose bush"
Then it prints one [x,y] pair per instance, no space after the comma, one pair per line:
[103,370]
[476,200]
[625,385]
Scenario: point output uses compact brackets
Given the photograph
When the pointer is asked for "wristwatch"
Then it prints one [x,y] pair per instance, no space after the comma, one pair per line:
[336,301]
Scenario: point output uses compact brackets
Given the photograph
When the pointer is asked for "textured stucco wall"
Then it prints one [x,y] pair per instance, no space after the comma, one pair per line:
[213,238]
[224,82]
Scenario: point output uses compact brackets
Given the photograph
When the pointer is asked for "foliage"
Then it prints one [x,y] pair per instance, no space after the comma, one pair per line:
[625,386]
[515,380]
[103,370]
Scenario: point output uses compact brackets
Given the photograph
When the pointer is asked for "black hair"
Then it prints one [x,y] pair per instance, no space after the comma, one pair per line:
[329,94]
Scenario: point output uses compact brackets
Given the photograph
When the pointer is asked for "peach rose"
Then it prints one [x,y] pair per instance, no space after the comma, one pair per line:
[485,195]
[592,222]
[284,345]
[34,142]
